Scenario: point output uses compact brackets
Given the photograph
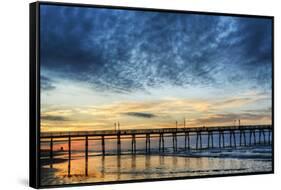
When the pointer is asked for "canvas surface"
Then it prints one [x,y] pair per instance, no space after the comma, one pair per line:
[140,95]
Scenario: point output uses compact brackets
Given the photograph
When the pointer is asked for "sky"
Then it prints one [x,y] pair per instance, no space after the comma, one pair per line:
[148,69]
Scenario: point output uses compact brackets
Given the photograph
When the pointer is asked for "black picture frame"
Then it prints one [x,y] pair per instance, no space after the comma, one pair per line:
[34,91]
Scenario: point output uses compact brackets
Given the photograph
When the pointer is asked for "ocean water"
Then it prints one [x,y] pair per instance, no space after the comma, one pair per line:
[127,166]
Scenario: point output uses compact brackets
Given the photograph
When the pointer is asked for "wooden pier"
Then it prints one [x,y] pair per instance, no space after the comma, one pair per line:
[256,133]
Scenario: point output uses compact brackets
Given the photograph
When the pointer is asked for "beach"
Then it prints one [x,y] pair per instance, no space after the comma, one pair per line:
[183,163]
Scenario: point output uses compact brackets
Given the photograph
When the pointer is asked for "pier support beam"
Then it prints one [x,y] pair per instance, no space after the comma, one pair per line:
[234,138]
[118,144]
[86,155]
[244,135]
[175,142]
[261,133]
[269,137]
[51,152]
[252,133]
[221,138]
[147,143]
[198,138]
[241,137]
[250,137]
[186,138]
[210,138]
[103,145]
[133,144]
[232,134]
[161,142]
[69,155]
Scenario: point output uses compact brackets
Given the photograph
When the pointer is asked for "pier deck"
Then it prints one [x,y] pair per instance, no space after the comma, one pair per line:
[150,131]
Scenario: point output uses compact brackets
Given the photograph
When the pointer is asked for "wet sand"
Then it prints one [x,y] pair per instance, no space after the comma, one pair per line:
[133,167]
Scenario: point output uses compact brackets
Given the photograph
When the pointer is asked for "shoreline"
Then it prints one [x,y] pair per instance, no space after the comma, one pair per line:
[254,153]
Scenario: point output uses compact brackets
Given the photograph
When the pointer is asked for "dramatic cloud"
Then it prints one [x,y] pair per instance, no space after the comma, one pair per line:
[46,83]
[148,69]
[123,51]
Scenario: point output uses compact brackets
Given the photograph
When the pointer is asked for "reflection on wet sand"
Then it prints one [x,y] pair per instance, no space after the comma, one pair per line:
[128,167]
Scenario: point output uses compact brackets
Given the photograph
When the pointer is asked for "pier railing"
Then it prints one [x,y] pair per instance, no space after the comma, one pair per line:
[149,131]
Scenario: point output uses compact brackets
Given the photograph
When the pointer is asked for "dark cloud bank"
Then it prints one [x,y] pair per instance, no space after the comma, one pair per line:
[141,114]
[54,118]
[127,50]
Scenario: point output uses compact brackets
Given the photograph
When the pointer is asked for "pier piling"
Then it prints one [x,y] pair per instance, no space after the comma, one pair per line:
[175,142]
[198,138]
[242,137]
[163,145]
[221,139]
[103,145]
[147,143]
[133,144]
[232,135]
[254,132]
[269,137]
[118,143]
[210,138]
[186,138]
[51,152]
[86,155]
[263,133]
[69,155]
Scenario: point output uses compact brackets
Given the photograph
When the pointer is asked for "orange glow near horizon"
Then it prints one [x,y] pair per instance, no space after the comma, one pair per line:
[153,114]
